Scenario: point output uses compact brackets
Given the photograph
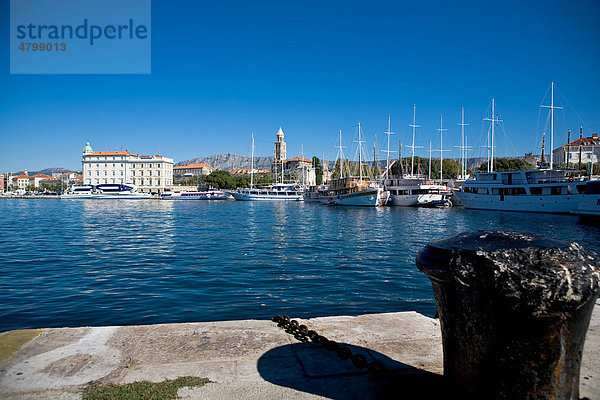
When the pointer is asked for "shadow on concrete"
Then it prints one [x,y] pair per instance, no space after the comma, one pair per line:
[310,368]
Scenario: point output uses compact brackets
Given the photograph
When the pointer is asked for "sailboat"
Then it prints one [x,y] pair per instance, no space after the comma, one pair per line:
[352,190]
[276,192]
[414,190]
[542,190]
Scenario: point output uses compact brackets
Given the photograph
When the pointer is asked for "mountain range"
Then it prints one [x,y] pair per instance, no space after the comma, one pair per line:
[229,161]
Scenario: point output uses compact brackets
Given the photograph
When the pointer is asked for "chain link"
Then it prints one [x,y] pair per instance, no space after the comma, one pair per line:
[302,333]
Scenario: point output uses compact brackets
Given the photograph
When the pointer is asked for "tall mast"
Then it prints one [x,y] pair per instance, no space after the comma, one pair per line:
[252,164]
[429,176]
[388,133]
[491,147]
[493,125]
[412,148]
[551,107]
[303,166]
[359,156]
[341,154]
[374,156]
[463,146]
[441,130]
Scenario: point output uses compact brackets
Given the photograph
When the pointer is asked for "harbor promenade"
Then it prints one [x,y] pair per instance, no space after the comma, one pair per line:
[249,359]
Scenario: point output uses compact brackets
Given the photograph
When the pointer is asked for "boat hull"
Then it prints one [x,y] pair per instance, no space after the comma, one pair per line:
[554,204]
[589,205]
[363,198]
[265,197]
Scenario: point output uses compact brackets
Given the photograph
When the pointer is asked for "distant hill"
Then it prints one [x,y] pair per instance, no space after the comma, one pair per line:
[230,161]
[46,171]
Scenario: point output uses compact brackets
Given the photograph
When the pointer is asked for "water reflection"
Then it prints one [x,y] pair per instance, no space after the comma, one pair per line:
[111,262]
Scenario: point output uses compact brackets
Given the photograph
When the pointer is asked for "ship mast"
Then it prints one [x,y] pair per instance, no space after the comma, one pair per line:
[360,142]
[441,130]
[388,133]
[412,148]
[252,164]
[429,176]
[491,148]
[463,147]
[341,155]
[551,107]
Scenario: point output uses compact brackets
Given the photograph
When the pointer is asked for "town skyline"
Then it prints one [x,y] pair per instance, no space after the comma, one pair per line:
[223,72]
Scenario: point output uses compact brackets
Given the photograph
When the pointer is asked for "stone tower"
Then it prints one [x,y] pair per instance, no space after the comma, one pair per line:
[280,152]
[278,166]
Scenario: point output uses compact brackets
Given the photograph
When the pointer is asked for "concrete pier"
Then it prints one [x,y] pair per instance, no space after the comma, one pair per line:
[250,359]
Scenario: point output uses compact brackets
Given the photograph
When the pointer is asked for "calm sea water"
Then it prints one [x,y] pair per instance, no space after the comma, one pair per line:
[86,262]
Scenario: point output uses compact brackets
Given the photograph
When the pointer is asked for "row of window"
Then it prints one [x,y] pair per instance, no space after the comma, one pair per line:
[133,165]
[139,182]
[141,173]
[520,191]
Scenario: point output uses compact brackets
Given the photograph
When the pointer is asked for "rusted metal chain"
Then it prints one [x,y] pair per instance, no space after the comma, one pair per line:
[302,333]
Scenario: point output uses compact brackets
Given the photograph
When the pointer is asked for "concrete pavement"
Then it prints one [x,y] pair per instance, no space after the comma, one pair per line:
[250,359]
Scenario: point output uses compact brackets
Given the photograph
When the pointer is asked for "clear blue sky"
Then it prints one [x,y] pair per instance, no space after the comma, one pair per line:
[222,69]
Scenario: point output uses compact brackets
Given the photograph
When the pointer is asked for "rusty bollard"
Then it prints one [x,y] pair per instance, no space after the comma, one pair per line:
[514,309]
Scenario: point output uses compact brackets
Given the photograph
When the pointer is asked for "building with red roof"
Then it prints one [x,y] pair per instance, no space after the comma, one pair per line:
[584,150]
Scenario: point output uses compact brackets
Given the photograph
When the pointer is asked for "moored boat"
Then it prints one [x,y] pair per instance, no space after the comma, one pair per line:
[206,195]
[352,191]
[542,191]
[589,207]
[415,192]
[277,192]
[105,191]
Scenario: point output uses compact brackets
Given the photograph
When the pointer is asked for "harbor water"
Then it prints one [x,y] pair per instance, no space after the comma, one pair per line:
[106,262]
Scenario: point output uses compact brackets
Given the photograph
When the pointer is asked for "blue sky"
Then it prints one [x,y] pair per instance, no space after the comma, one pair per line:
[221,70]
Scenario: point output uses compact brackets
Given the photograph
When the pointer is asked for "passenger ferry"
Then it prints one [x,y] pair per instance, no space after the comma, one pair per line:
[541,191]
[105,191]
[208,195]
[277,192]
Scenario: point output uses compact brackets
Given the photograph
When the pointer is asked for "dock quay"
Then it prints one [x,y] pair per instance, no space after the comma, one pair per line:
[250,359]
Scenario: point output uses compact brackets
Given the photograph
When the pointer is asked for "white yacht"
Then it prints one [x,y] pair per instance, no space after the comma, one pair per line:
[79,192]
[410,192]
[543,191]
[277,192]
[208,195]
[105,191]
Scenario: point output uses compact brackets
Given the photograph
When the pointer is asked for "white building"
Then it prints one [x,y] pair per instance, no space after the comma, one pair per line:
[151,174]
[583,150]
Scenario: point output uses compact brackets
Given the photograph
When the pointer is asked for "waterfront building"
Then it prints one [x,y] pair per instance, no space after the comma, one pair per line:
[584,150]
[35,180]
[2,182]
[191,170]
[151,174]
[295,169]
[20,181]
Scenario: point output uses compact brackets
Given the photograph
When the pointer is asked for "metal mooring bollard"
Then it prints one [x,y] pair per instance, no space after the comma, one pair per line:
[514,310]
